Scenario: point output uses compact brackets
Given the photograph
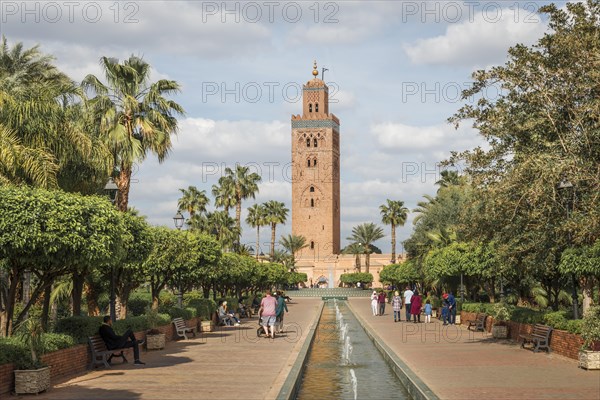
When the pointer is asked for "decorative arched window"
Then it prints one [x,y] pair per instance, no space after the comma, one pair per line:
[312,202]
[308,162]
[308,142]
[316,107]
[314,162]
[312,189]
[310,107]
[315,142]
[312,245]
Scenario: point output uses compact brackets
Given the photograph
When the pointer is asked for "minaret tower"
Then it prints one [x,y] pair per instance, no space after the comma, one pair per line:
[316,172]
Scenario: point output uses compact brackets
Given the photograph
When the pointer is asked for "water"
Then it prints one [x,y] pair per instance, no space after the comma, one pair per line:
[343,363]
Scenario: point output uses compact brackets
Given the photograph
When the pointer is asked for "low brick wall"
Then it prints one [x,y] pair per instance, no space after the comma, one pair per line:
[561,342]
[75,360]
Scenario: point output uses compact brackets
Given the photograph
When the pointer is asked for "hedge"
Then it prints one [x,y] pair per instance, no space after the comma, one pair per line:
[12,350]
[204,307]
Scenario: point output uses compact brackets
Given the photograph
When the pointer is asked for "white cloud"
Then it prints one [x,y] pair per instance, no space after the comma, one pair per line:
[480,42]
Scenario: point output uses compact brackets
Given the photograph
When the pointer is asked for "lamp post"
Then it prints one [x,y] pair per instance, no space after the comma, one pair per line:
[566,186]
[178,220]
[112,190]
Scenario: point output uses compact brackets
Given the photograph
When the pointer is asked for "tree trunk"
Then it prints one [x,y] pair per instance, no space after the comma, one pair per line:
[393,243]
[26,287]
[257,240]
[77,293]
[273,226]
[123,182]
[6,323]
[238,216]
[91,295]
[367,262]
[357,262]
[206,291]
[588,288]
[46,308]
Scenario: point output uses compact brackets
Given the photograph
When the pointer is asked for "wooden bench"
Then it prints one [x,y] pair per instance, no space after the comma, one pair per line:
[478,323]
[539,337]
[100,354]
[181,329]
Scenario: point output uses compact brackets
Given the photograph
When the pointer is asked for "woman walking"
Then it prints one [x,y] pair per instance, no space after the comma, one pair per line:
[397,305]
[415,307]
[374,306]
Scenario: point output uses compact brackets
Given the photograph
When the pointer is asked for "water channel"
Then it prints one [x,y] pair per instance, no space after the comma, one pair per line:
[343,363]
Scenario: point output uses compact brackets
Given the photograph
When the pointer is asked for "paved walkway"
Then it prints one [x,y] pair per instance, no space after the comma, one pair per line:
[229,364]
[459,364]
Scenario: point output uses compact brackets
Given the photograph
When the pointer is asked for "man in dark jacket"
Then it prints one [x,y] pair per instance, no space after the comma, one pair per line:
[114,341]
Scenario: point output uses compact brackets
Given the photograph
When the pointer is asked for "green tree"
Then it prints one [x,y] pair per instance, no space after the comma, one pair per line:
[365,234]
[276,213]
[134,116]
[394,214]
[355,249]
[224,193]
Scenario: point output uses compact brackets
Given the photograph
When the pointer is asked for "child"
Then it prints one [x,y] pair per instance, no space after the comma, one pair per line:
[445,312]
[427,311]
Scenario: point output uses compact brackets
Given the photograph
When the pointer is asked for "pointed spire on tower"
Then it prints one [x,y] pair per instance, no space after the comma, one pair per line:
[315,70]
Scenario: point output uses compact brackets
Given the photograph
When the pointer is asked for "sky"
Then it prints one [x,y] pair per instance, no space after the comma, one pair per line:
[395,72]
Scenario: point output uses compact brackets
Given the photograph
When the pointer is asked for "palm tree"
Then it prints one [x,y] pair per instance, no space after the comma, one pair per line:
[192,200]
[224,193]
[365,234]
[39,132]
[449,178]
[293,244]
[276,213]
[133,115]
[257,218]
[423,207]
[393,213]
[356,249]
[245,185]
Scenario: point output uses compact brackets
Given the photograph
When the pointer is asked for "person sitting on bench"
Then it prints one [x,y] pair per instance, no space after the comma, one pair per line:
[114,341]
[227,317]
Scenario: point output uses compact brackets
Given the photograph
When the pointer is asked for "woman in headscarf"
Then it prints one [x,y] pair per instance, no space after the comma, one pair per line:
[374,306]
[415,307]
[397,305]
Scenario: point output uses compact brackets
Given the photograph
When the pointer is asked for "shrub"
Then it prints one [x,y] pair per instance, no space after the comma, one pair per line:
[590,327]
[137,305]
[527,316]
[204,307]
[185,313]
[79,327]
[167,299]
[193,295]
[56,341]
[12,351]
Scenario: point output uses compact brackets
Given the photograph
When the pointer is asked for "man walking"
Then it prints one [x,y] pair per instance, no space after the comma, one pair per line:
[408,294]
[452,308]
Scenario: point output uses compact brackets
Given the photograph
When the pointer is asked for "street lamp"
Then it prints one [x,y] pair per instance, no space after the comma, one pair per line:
[178,220]
[111,189]
[566,186]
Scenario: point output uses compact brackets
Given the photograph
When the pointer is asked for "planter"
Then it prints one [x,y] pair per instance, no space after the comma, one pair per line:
[156,342]
[32,380]
[457,322]
[589,359]
[434,313]
[206,326]
[500,331]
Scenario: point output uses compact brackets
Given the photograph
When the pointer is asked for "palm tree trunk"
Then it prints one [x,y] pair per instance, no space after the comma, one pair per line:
[257,240]
[123,182]
[238,217]
[393,243]
[357,262]
[367,262]
[273,225]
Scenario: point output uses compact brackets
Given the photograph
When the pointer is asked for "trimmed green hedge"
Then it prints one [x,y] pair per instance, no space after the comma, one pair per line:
[185,313]
[12,350]
[79,327]
[557,320]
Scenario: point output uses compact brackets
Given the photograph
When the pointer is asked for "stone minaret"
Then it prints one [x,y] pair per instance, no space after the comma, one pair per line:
[316,172]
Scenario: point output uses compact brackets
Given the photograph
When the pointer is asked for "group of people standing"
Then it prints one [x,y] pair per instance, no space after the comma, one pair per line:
[413,305]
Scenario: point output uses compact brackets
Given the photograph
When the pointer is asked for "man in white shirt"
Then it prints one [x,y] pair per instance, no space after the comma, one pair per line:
[408,294]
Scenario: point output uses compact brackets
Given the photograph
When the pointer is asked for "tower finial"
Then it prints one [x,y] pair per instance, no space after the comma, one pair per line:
[315,70]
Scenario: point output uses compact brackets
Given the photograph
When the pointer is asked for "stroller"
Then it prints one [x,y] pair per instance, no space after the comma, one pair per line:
[260,331]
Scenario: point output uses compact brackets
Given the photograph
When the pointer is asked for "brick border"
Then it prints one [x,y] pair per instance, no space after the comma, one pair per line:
[561,342]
